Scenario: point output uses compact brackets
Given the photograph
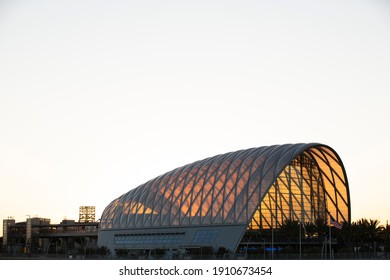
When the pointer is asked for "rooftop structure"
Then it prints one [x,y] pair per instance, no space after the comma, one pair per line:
[39,236]
[87,214]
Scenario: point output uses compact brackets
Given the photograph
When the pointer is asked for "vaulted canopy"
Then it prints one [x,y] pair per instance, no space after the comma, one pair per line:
[258,187]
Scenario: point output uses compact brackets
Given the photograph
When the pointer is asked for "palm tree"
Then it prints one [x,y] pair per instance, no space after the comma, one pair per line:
[385,234]
[374,231]
[374,228]
[310,229]
[347,236]
[290,230]
[357,233]
[367,231]
[321,227]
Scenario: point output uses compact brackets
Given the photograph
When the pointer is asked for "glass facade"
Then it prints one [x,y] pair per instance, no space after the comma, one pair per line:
[258,187]
[153,238]
[297,194]
[205,236]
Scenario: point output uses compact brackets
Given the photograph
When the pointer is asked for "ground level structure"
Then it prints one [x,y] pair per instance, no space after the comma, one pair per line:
[37,236]
[221,201]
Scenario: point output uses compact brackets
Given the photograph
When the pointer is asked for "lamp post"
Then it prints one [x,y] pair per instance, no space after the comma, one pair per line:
[247,245]
[28,234]
[301,225]
[272,242]
[330,241]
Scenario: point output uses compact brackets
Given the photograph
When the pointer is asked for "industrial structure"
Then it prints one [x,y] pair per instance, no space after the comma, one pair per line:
[87,214]
[38,236]
[219,201]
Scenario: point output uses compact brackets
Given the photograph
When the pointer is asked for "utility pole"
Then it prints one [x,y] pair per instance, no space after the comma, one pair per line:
[301,225]
[330,241]
[28,235]
[272,242]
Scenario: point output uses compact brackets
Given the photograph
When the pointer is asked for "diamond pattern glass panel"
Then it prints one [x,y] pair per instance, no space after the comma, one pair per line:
[259,187]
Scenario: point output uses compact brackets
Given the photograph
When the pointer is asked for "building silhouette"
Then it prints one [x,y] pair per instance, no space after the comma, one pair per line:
[39,236]
[224,203]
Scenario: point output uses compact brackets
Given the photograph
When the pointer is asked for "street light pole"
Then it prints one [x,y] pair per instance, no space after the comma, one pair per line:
[28,234]
[300,241]
[272,243]
[247,245]
[330,242]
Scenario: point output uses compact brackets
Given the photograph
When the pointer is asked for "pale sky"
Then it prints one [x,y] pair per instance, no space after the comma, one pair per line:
[98,97]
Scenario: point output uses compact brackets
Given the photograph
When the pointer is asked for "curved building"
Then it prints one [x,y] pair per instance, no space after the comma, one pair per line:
[213,202]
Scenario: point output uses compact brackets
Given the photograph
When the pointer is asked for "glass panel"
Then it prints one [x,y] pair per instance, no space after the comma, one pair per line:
[205,236]
[297,194]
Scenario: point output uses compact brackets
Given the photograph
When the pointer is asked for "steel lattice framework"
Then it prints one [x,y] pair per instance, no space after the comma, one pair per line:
[258,188]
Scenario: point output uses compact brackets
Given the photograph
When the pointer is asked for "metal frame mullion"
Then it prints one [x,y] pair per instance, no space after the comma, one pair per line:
[236,197]
[258,172]
[206,193]
[329,151]
[239,176]
[269,209]
[331,180]
[242,156]
[140,216]
[179,198]
[135,197]
[201,172]
[301,203]
[165,179]
[319,183]
[196,181]
[313,193]
[332,171]
[174,183]
[200,192]
[324,151]
[292,196]
[283,198]
[224,190]
[217,177]
[250,166]
[325,190]
[168,184]
[153,195]
[194,171]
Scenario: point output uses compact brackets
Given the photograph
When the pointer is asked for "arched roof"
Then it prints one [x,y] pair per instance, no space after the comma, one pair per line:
[224,189]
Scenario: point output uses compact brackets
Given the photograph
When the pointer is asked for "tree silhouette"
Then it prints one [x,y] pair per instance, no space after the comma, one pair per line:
[385,234]
[310,229]
[289,230]
[321,227]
